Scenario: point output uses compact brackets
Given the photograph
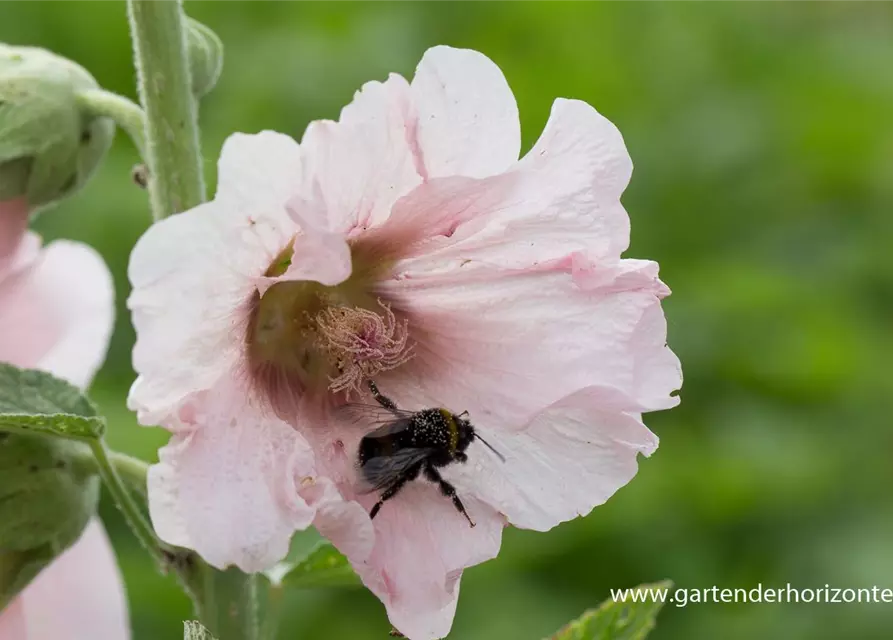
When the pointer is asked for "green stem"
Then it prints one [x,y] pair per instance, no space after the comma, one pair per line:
[132,470]
[127,505]
[274,601]
[252,618]
[237,605]
[176,180]
[209,611]
[127,114]
[118,470]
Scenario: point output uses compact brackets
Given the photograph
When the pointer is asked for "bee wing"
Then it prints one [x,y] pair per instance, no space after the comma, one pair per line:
[380,472]
[370,414]
[395,425]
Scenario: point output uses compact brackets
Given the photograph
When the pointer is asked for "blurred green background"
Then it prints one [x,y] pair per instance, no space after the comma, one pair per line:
[763,141]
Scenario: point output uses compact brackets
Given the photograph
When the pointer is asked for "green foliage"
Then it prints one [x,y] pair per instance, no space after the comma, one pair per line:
[323,566]
[37,402]
[633,618]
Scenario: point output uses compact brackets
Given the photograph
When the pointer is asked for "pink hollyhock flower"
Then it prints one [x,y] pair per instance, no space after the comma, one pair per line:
[56,314]
[405,244]
[56,303]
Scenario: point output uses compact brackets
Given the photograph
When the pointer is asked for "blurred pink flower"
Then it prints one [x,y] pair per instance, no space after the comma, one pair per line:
[56,303]
[56,314]
[498,288]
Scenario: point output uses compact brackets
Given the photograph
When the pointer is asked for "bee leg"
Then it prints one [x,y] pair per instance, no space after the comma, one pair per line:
[448,490]
[411,474]
[382,399]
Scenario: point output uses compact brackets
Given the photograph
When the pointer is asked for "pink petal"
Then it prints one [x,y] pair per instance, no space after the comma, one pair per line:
[358,167]
[622,275]
[57,313]
[570,458]
[80,595]
[429,226]
[562,197]
[319,255]
[582,150]
[193,276]
[467,117]
[574,177]
[345,524]
[13,621]
[506,346]
[258,173]
[422,544]
[226,483]
[658,372]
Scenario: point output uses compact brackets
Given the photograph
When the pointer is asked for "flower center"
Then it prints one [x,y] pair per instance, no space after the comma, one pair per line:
[362,343]
[303,336]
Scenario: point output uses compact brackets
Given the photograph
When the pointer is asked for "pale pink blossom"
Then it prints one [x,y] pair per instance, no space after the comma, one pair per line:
[500,291]
[56,303]
[56,314]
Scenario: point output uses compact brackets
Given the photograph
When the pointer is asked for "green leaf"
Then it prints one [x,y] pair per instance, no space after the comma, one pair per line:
[36,402]
[193,630]
[629,619]
[323,566]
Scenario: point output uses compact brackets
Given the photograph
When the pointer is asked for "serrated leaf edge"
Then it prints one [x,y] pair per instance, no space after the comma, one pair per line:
[13,422]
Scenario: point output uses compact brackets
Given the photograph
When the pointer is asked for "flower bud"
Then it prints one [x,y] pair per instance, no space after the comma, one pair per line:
[48,492]
[205,57]
[49,144]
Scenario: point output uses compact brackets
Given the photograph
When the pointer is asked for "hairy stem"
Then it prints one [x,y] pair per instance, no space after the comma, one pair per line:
[132,470]
[126,114]
[120,471]
[127,505]
[174,158]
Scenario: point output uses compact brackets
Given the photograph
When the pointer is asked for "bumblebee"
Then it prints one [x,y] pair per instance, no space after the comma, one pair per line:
[413,443]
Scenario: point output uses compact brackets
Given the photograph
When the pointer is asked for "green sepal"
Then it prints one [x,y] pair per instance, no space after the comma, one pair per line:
[205,51]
